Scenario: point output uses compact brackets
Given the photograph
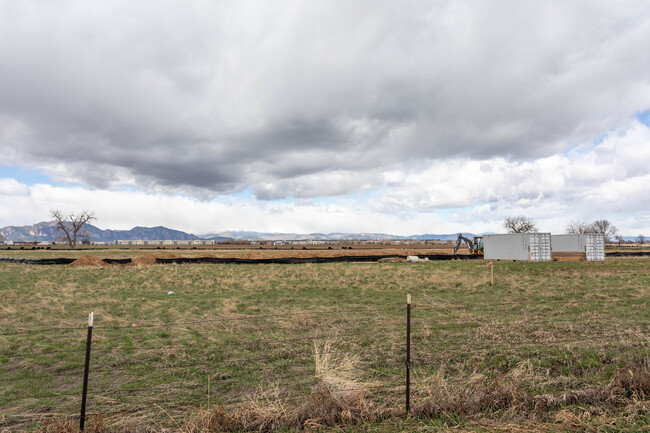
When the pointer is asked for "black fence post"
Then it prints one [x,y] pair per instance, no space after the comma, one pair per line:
[408,353]
[82,419]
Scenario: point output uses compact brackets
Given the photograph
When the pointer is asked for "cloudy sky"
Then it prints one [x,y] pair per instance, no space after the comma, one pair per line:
[398,117]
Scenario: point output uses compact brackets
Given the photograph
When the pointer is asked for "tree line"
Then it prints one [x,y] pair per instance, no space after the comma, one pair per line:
[523,224]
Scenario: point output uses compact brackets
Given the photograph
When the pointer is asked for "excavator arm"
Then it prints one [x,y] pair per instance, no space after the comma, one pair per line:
[460,240]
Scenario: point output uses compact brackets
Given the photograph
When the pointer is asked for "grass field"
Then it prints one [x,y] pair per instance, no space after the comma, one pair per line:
[550,347]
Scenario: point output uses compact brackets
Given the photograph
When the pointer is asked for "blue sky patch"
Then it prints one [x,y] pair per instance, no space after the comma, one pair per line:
[644,117]
[25,176]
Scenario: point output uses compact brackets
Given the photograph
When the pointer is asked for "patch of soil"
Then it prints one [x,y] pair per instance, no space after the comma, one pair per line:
[88,260]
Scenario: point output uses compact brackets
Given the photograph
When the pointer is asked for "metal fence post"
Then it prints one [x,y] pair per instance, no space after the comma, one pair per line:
[82,419]
[408,353]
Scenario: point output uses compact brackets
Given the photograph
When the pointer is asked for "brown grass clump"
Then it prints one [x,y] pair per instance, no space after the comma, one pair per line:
[632,382]
[263,412]
[59,425]
[338,398]
[479,395]
[68,425]
[88,260]
[328,405]
[476,395]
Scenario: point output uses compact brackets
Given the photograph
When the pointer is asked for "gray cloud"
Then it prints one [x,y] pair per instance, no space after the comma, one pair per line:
[304,98]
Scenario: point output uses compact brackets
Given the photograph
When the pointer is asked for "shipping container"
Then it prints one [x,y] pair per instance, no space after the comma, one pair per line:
[592,245]
[533,247]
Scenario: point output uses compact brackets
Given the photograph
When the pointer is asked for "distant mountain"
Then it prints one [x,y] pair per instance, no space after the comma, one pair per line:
[266,236]
[45,231]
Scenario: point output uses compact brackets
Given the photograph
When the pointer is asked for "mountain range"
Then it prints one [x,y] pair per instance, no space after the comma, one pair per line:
[46,231]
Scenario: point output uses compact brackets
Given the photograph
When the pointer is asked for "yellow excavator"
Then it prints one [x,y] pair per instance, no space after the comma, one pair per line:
[475,245]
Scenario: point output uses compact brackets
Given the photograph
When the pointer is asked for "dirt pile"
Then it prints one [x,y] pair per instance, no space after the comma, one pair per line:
[150,259]
[88,260]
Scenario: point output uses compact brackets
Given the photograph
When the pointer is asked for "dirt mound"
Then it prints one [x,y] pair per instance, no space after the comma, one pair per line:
[88,260]
[150,259]
[144,259]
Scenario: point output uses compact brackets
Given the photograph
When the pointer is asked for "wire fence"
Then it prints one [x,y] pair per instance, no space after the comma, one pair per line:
[387,355]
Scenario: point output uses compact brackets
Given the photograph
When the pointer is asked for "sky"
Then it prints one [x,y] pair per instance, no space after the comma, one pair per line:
[401,117]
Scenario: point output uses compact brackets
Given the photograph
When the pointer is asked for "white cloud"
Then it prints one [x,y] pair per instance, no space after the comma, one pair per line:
[606,180]
[406,116]
[285,98]
[11,188]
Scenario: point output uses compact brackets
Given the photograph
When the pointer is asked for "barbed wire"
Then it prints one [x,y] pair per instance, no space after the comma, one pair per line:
[163,345]
[197,321]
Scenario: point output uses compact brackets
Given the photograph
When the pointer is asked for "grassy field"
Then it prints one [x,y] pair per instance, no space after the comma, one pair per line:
[561,346]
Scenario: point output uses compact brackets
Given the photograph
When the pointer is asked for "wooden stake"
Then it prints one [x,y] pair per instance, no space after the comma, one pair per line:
[491,265]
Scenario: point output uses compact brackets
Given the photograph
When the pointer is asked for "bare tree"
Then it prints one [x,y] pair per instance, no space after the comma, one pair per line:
[2,238]
[620,239]
[641,239]
[606,228]
[71,226]
[578,227]
[519,224]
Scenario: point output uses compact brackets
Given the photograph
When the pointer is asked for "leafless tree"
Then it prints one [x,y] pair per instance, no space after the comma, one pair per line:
[603,227]
[579,227]
[620,239]
[606,228]
[641,239]
[71,226]
[519,224]
[2,238]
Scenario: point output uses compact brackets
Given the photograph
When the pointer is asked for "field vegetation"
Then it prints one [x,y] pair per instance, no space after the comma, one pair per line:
[560,346]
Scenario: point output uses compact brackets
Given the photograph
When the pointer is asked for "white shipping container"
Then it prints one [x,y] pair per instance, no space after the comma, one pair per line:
[518,246]
[540,247]
[592,244]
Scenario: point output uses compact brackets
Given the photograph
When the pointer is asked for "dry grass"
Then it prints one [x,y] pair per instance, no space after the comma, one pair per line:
[320,346]
[480,395]
[501,404]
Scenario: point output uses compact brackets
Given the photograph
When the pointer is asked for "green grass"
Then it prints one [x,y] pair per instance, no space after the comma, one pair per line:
[245,330]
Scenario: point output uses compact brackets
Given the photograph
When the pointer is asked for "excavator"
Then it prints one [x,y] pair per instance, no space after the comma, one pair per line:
[475,245]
